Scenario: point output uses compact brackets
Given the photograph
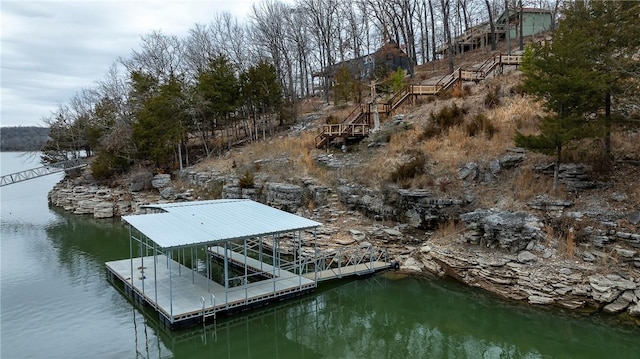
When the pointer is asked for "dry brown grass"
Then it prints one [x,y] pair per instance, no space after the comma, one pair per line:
[287,158]
[447,232]
[567,244]
[517,113]
[527,184]
[626,142]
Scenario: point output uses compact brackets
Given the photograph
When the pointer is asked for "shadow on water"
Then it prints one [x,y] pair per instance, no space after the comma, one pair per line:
[101,239]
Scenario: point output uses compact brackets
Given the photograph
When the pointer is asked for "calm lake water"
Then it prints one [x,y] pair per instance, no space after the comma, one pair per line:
[57,303]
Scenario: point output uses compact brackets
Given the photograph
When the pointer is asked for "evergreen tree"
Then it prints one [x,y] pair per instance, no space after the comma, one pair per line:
[261,91]
[342,88]
[611,33]
[218,88]
[576,74]
[159,129]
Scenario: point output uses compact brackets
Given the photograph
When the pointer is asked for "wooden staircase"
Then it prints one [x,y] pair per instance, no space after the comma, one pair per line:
[358,122]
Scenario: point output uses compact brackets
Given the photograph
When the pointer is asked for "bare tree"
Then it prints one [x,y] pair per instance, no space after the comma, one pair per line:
[199,47]
[447,33]
[494,44]
[270,34]
[160,56]
[433,30]
[322,16]
[230,38]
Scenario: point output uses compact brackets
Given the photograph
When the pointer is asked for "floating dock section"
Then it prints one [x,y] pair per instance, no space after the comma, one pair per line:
[192,261]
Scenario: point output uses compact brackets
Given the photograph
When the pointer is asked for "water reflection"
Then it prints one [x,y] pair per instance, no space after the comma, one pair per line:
[409,318]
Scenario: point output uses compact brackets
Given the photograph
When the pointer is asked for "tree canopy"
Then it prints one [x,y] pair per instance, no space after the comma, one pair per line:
[230,78]
[591,58]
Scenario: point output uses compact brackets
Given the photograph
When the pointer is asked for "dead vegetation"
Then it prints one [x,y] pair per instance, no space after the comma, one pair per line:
[436,138]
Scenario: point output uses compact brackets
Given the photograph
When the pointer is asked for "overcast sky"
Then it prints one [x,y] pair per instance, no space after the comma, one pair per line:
[52,49]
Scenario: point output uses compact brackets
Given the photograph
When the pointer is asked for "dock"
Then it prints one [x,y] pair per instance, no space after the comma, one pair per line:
[193,297]
[195,260]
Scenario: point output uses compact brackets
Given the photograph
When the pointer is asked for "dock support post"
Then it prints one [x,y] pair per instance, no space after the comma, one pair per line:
[246,290]
[260,251]
[315,255]
[170,259]
[371,257]
[131,254]
[226,275]
[299,250]
[141,266]
[340,263]
[155,272]
[273,260]
[207,257]
[213,306]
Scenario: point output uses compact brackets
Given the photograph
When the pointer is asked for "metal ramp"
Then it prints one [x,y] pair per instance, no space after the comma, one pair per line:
[346,262]
[315,265]
[41,171]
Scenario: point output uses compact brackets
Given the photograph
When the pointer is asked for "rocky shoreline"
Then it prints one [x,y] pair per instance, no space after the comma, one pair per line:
[506,253]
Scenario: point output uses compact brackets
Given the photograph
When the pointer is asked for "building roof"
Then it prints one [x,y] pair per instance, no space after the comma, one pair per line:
[202,222]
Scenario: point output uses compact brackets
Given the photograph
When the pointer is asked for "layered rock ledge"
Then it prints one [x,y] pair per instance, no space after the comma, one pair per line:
[506,253]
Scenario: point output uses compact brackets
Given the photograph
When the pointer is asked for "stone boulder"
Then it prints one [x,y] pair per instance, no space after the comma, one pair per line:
[103,209]
[511,231]
[140,181]
[287,197]
[511,161]
[160,181]
[543,202]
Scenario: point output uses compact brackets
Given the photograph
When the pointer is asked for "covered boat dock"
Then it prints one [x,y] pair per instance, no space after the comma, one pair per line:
[192,260]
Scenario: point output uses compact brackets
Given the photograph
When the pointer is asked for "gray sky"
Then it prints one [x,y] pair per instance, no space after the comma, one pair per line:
[52,49]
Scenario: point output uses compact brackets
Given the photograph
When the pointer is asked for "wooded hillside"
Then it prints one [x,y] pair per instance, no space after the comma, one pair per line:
[234,80]
[29,138]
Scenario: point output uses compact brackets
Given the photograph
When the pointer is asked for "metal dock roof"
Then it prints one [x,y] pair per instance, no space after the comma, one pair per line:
[201,222]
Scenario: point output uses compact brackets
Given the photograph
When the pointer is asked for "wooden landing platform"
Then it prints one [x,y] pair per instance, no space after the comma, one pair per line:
[180,292]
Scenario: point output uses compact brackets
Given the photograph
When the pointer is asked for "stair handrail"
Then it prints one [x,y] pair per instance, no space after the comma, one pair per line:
[399,96]
[354,113]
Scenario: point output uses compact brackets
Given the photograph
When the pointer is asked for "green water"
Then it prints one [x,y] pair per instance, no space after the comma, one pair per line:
[57,303]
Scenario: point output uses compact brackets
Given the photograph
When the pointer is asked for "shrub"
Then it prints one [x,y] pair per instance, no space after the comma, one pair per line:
[481,124]
[518,90]
[466,90]
[492,98]
[247,180]
[410,169]
[107,164]
[332,120]
[444,119]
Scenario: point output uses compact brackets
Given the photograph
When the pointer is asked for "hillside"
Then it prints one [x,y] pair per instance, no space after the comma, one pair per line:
[432,183]
[442,187]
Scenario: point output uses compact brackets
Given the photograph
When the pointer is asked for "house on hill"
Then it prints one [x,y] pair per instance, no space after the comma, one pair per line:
[388,58]
[534,21]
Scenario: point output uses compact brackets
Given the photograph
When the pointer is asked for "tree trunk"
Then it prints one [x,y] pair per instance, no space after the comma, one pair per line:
[607,126]
[447,33]
[506,30]
[494,45]
[433,31]
[556,170]
[521,27]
